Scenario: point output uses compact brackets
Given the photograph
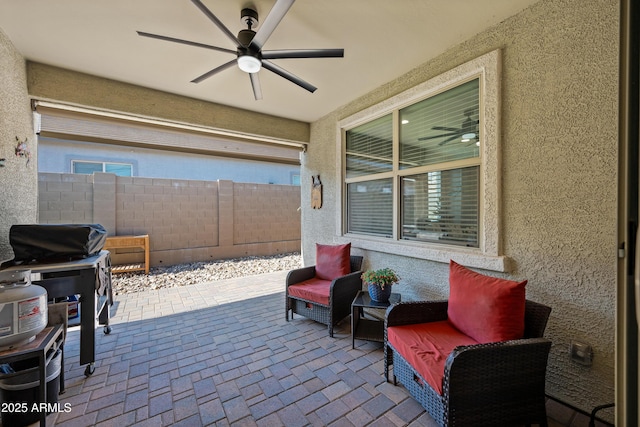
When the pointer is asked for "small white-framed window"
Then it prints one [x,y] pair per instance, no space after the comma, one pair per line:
[87,167]
[419,172]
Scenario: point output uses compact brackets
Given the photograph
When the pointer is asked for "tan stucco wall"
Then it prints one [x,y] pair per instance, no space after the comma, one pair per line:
[18,180]
[58,84]
[559,162]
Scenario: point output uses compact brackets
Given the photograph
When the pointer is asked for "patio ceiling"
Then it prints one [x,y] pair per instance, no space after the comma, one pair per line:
[382,39]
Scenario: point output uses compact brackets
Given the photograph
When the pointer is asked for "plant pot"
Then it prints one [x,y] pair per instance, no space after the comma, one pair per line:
[377,294]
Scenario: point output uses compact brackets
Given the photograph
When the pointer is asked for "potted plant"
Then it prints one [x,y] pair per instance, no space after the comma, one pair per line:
[379,283]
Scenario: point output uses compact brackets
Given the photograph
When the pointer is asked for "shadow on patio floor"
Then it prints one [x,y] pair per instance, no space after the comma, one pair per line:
[221,353]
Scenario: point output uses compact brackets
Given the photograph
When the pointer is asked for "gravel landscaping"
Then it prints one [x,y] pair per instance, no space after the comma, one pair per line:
[202,272]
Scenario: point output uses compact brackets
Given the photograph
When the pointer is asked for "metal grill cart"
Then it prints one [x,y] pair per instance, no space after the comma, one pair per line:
[88,277]
[42,350]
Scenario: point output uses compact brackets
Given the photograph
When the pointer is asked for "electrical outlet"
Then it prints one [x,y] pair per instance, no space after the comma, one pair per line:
[581,353]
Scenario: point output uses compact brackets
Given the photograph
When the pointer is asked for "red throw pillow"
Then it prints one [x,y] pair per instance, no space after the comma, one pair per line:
[332,261]
[488,309]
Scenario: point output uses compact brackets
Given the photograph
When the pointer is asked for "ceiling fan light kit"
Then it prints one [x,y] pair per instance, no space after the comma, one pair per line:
[469,131]
[249,55]
[468,137]
[249,64]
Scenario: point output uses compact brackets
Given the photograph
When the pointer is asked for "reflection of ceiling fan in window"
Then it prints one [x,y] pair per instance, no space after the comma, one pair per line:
[468,131]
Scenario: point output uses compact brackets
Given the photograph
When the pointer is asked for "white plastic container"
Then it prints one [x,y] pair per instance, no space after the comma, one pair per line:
[23,308]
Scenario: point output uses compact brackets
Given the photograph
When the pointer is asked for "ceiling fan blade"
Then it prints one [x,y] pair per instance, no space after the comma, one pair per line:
[449,139]
[214,71]
[287,75]
[216,21]
[187,42]
[446,128]
[273,19]
[303,53]
[425,138]
[255,84]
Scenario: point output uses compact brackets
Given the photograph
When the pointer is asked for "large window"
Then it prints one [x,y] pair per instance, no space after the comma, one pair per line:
[84,167]
[428,173]
[421,170]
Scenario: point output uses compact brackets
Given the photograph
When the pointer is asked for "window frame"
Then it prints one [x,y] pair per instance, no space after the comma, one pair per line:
[98,162]
[488,254]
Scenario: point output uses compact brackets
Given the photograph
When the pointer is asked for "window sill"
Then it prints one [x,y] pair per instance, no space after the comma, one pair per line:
[439,253]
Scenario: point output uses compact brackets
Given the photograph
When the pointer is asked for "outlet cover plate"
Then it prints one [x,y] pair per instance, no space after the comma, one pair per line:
[581,353]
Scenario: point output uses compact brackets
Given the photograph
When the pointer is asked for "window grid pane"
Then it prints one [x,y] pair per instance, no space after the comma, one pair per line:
[442,128]
[436,204]
[118,169]
[442,206]
[370,148]
[87,168]
[370,207]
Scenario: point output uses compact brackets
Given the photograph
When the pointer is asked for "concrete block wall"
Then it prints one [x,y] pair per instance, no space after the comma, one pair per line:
[255,205]
[186,220]
[65,199]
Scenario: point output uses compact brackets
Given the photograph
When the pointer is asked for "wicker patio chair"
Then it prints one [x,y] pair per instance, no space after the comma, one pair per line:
[342,292]
[495,384]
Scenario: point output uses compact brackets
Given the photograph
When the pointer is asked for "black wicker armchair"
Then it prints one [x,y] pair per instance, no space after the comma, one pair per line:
[494,384]
[342,291]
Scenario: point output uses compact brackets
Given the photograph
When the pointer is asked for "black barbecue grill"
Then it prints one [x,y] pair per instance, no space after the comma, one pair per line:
[67,259]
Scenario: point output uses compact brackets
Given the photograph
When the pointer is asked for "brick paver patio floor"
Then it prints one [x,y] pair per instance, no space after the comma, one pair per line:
[221,353]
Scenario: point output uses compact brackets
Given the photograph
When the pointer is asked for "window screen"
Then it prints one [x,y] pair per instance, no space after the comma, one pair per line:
[87,167]
[370,148]
[441,206]
[370,207]
[442,128]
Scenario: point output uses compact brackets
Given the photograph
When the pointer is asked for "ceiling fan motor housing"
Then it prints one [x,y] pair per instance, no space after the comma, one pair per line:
[249,17]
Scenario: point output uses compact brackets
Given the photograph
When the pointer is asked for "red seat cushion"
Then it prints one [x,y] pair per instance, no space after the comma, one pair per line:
[426,347]
[488,309]
[316,290]
[333,261]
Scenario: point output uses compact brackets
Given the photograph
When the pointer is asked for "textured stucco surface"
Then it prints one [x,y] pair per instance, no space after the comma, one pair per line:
[18,180]
[558,172]
[487,68]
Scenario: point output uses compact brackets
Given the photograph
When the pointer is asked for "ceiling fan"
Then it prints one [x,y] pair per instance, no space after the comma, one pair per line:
[250,57]
[467,132]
